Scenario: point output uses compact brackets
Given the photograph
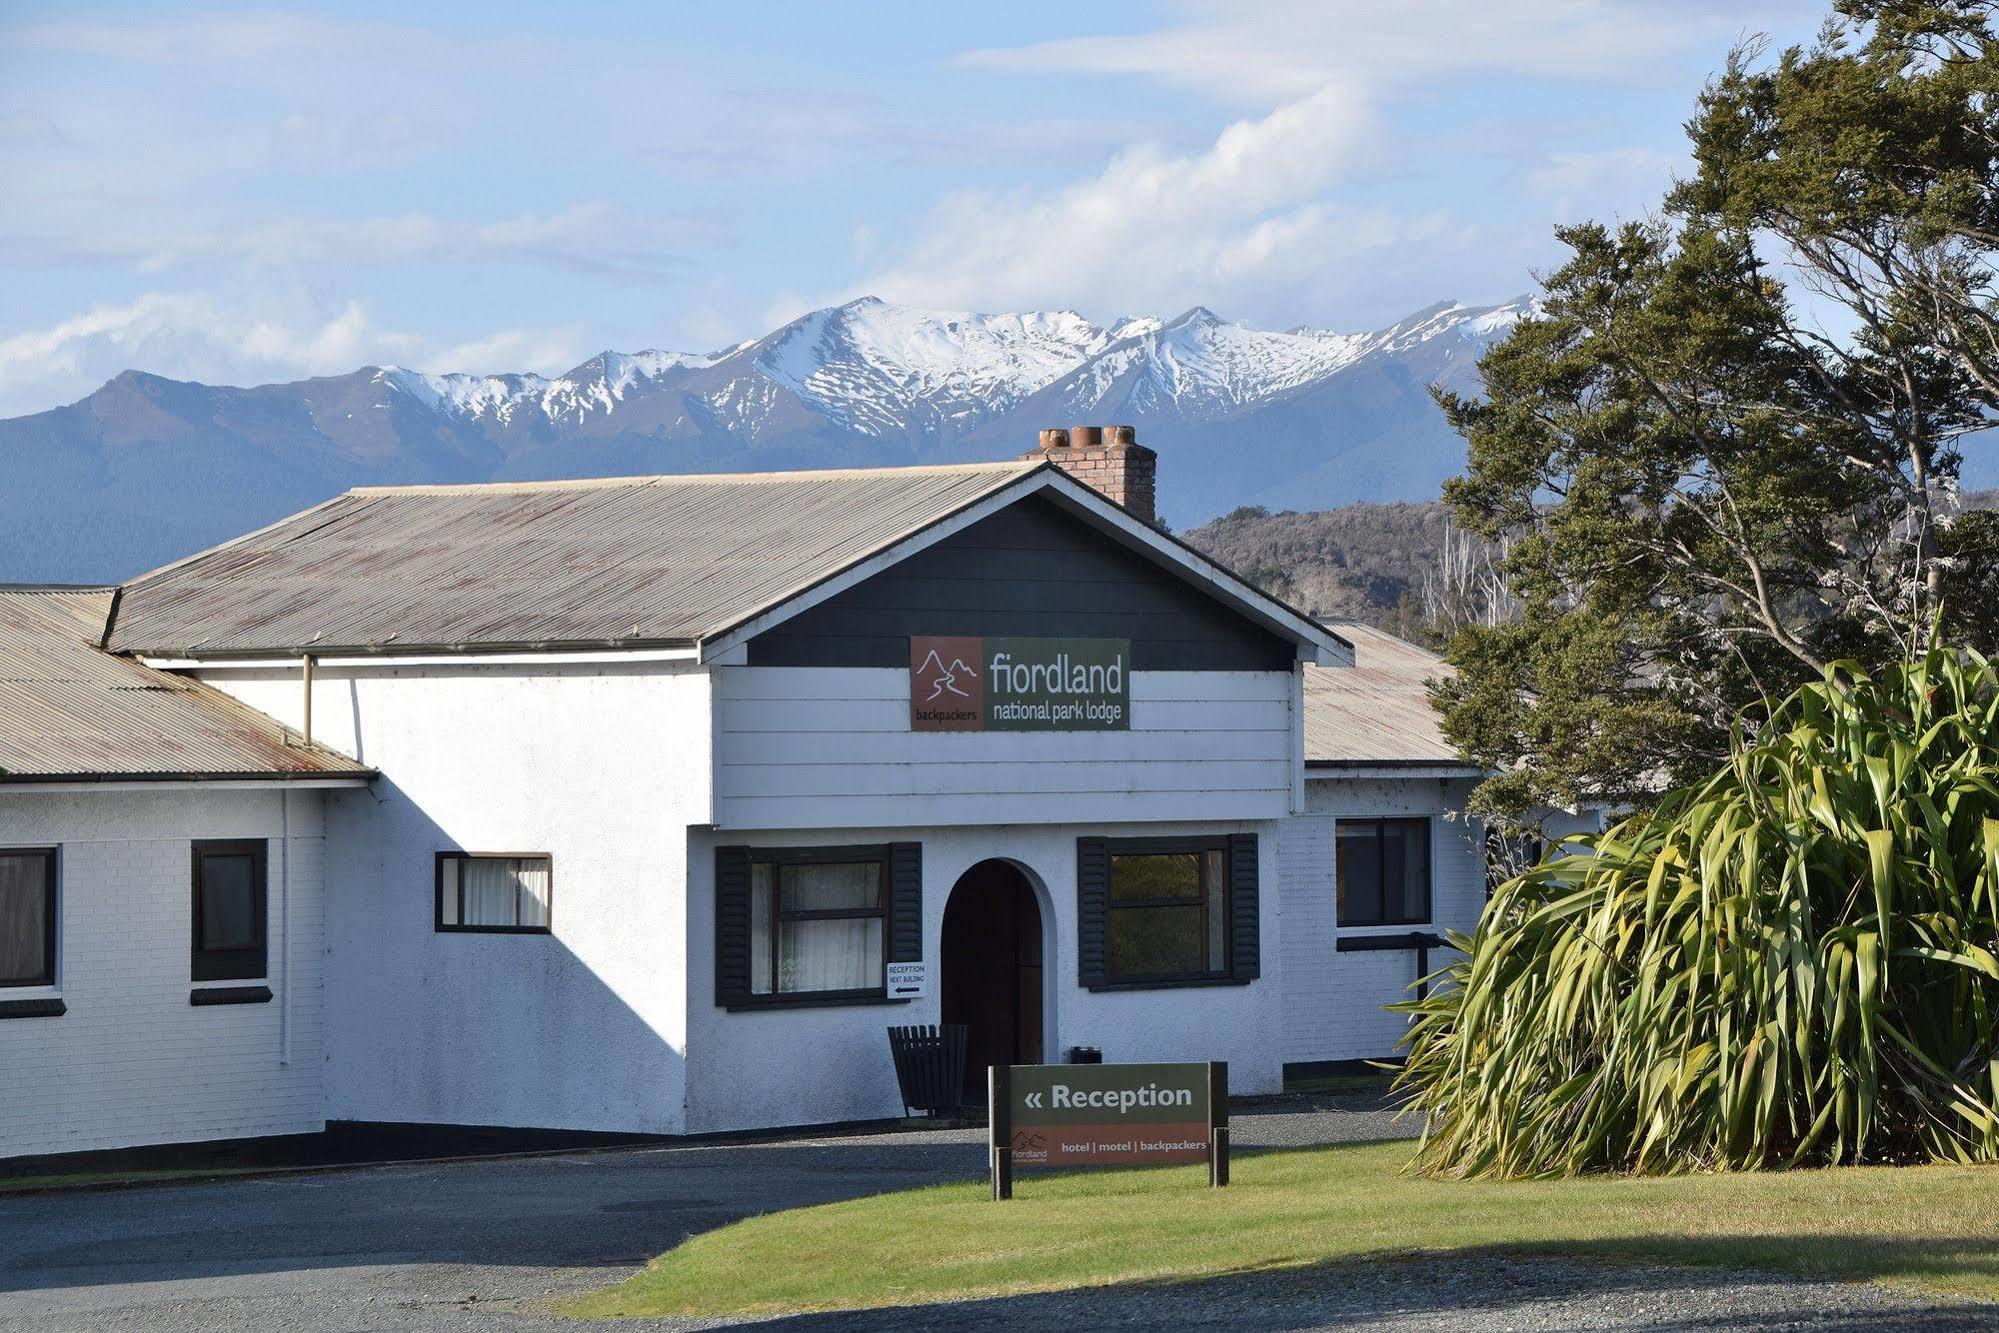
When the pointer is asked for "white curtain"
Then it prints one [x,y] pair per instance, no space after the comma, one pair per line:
[499,891]
[815,955]
[762,903]
[533,877]
[829,955]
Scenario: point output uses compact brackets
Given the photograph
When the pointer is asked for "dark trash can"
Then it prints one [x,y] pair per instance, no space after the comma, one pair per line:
[1086,1055]
[929,1066]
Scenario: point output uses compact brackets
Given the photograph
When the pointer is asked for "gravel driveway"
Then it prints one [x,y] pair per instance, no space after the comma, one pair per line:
[481,1245]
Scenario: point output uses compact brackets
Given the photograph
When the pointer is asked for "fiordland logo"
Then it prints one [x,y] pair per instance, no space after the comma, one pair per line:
[1019,684]
[944,677]
[946,692]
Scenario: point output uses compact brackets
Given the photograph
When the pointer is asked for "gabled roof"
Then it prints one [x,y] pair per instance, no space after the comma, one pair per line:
[635,562]
[70,711]
[1376,713]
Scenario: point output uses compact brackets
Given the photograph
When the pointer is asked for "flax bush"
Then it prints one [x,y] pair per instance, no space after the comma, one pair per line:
[1790,963]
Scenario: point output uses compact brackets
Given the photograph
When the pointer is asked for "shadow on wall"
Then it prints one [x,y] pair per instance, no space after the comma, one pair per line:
[488,1028]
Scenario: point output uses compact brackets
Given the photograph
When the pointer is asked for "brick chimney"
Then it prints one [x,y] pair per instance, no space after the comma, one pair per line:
[1109,460]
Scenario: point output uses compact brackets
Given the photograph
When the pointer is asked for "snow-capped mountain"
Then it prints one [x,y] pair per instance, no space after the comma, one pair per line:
[146,469]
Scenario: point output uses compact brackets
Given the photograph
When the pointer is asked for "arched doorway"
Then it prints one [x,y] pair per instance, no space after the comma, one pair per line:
[991,974]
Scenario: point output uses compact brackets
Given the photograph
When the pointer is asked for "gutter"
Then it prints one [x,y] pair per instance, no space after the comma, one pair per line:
[433,655]
[1331,770]
[159,781]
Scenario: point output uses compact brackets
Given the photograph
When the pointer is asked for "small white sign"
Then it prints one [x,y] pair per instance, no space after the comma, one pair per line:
[908,981]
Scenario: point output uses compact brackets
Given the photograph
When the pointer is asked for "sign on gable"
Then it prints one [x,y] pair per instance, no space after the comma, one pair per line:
[1019,684]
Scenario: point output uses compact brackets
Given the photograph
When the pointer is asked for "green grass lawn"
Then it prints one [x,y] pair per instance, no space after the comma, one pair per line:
[1933,1226]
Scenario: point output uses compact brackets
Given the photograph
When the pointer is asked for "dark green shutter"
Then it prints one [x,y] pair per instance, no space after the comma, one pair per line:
[905,902]
[1244,921]
[1093,906]
[732,926]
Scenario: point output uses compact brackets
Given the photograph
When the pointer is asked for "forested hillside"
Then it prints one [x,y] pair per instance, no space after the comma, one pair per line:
[1363,562]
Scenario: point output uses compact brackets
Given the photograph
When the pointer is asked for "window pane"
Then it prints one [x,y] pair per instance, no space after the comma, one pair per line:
[1408,887]
[829,955]
[1214,871]
[502,891]
[1358,896]
[1137,878]
[761,912]
[534,892]
[833,886]
[228,902]
[1155,941]
[487,886]
[24,922]
[448,909]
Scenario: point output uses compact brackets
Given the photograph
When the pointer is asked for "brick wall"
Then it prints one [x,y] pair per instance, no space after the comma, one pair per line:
[1333,1001]
[132,1062]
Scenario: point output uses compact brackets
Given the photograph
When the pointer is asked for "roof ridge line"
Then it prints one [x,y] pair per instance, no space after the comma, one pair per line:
[697,478]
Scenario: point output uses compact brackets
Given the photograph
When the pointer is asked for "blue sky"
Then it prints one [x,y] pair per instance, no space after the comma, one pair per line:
[249,194]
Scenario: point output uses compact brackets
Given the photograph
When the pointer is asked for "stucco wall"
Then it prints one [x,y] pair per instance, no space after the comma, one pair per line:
[1333,1002]
[602,767]
[818,1065]
[132,1062]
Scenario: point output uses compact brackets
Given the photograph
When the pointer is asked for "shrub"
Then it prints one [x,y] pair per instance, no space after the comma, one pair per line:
[1792,962]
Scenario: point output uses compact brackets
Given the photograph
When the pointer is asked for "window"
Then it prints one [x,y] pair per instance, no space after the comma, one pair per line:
[818,921]
[1156,912]
[229,911]
[1169,912]
[499,894]
[797,926]
[27,917]
[1384,872]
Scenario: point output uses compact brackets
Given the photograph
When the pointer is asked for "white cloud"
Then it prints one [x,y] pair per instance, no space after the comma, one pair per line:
[193,336]
[1151,228]
[1258,52]
[591,237]
[1625,180]
[240,41]
[1337,192]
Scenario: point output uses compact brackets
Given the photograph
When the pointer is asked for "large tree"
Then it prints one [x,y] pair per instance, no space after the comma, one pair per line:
[1726,453]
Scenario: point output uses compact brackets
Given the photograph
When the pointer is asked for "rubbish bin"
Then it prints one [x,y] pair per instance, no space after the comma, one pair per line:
[1086,1055]
[929,1066]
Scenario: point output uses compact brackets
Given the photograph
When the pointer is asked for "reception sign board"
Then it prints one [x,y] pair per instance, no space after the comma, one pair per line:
[958,683]
[1108,1115]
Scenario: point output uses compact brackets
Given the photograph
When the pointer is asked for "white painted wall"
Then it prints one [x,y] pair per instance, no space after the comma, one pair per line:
[133,1062]
[820,1065]
[1333,1002]
[601,766]
[832,748]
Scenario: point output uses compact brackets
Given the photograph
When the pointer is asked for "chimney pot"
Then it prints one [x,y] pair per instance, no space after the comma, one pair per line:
[1107,459]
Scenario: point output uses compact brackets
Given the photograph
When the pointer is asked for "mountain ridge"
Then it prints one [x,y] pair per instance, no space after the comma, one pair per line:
[146,468]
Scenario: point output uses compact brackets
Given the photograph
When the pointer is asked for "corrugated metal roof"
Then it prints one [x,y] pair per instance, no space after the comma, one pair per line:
[1377,711]
[69,710]
[627,561]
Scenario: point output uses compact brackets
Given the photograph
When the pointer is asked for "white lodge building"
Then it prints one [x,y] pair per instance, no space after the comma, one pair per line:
[607,805]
